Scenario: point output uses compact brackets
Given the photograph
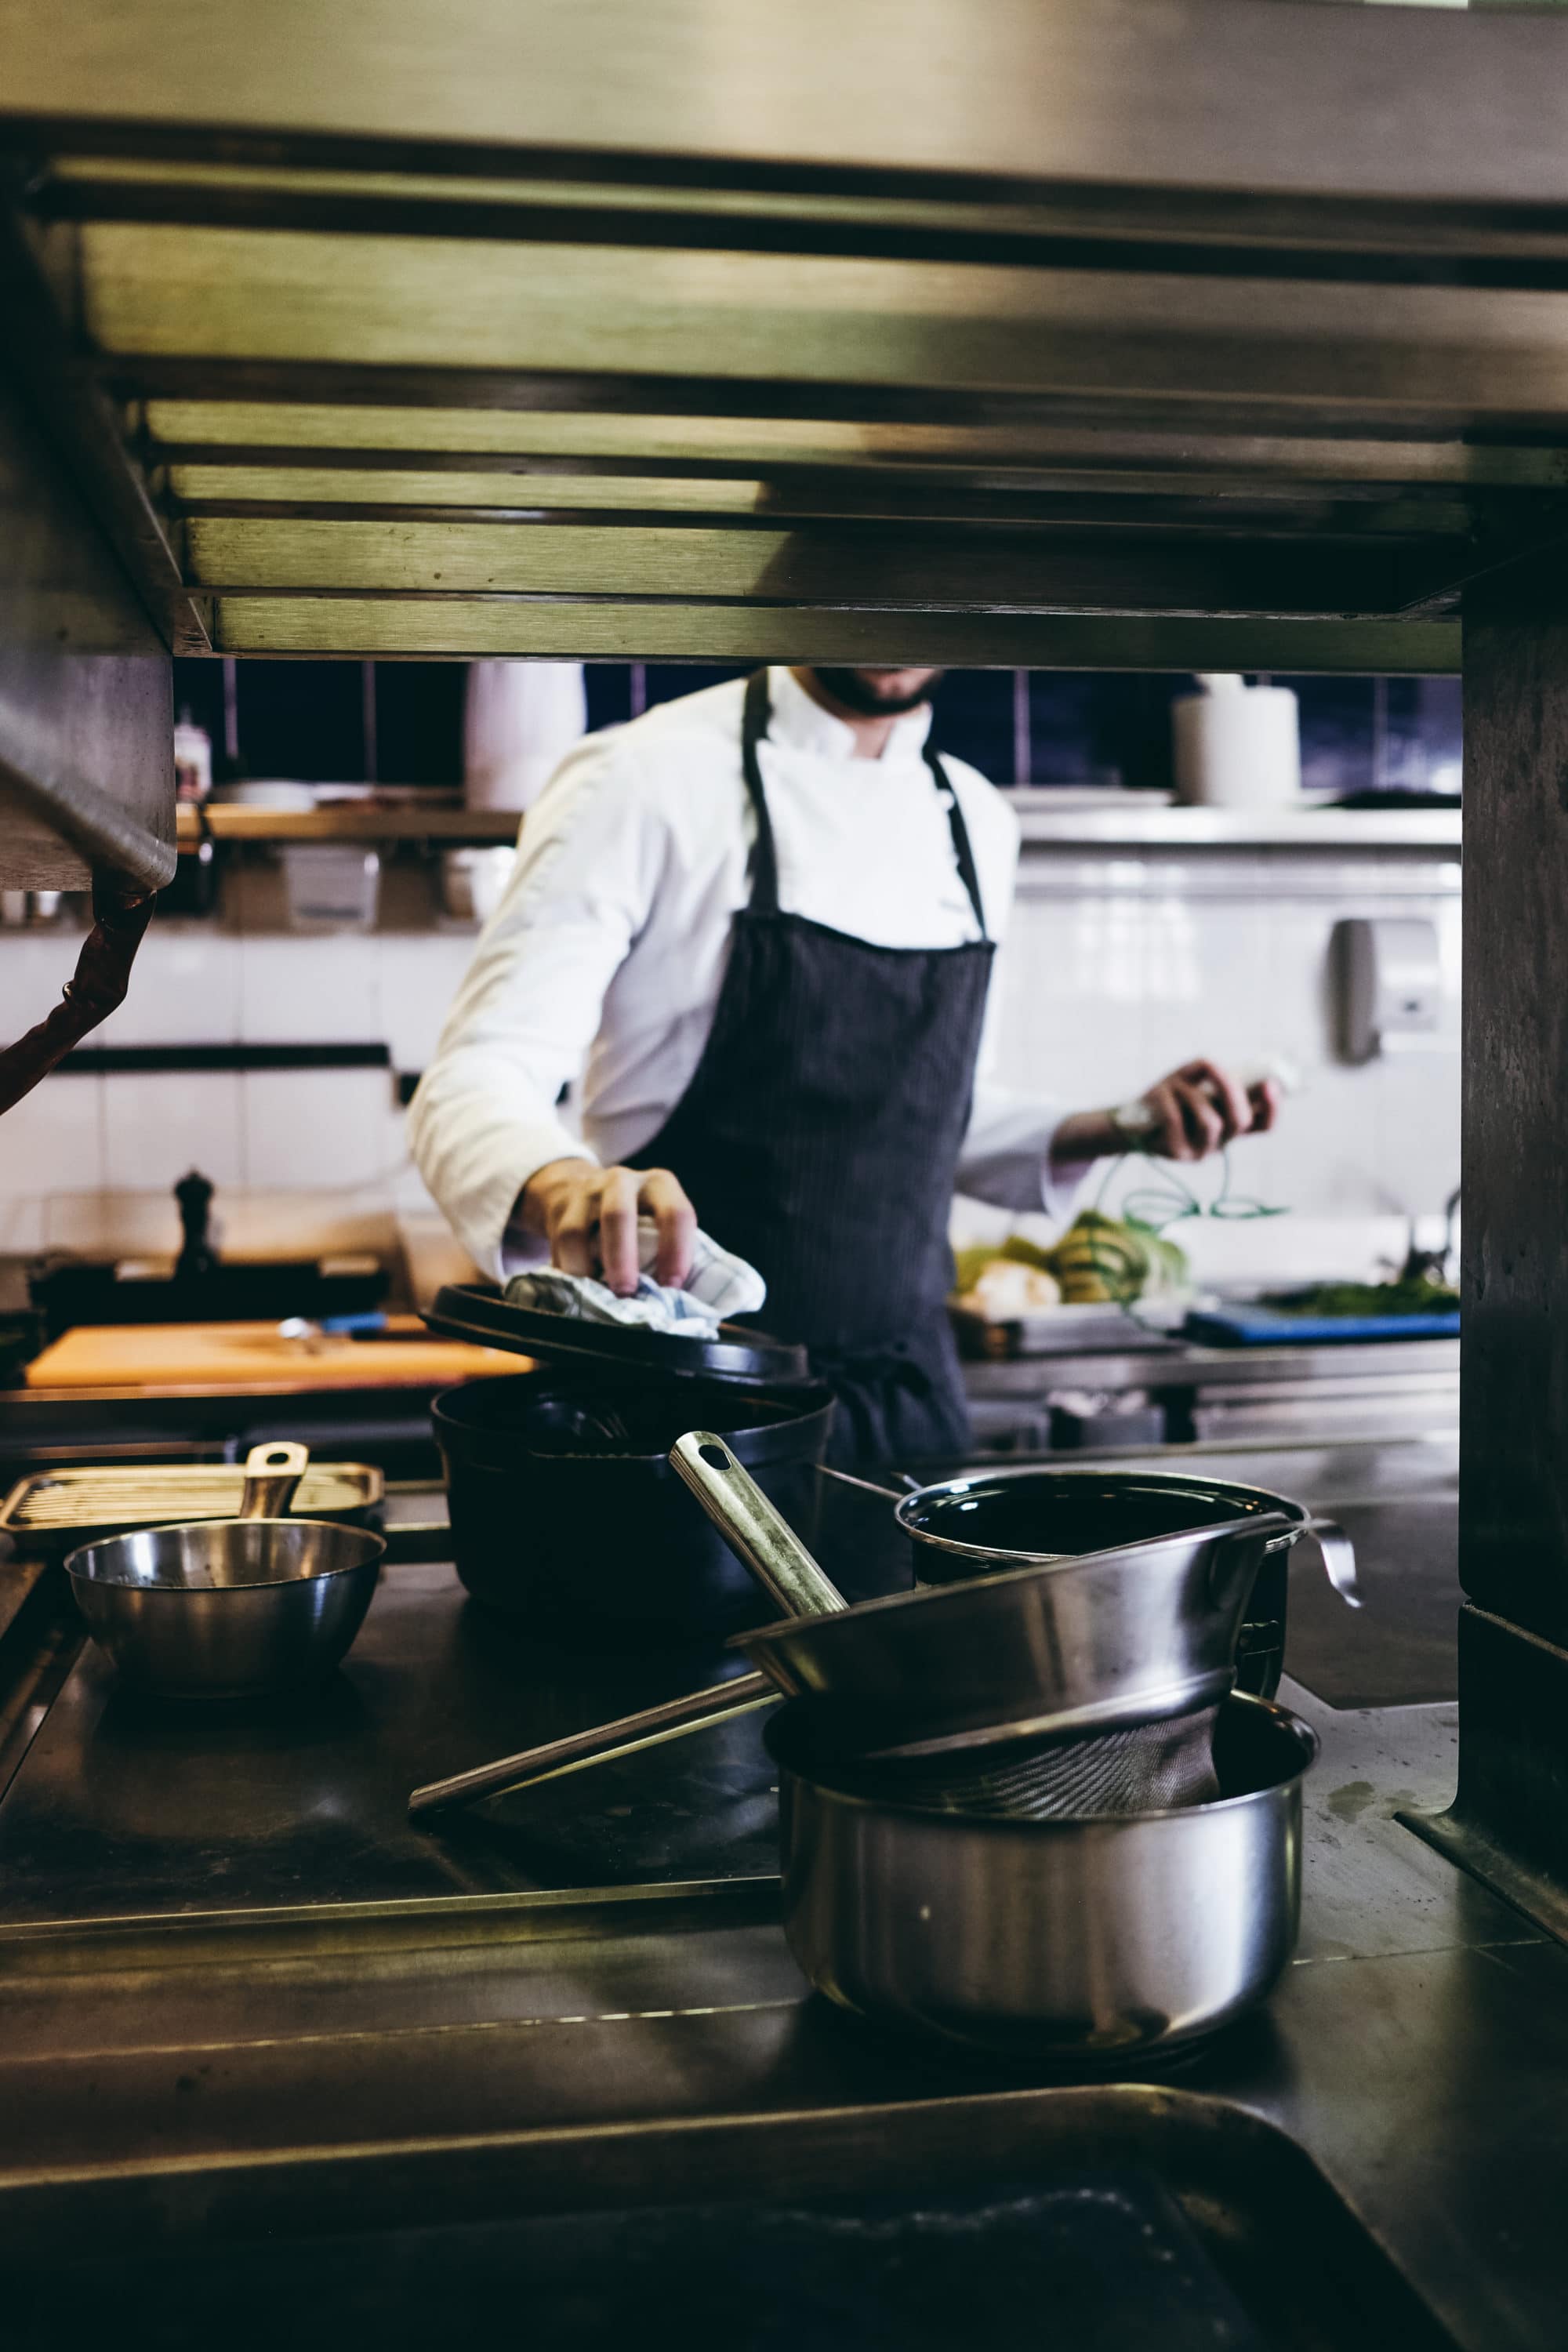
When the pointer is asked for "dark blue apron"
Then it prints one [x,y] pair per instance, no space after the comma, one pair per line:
[819,1137]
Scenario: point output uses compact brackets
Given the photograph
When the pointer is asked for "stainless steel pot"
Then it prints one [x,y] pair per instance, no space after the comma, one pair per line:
[1015,1517]
[1088,1941]
[230,1608]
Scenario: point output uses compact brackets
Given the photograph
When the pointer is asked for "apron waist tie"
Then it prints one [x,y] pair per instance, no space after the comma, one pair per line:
[892,1406]
[888,1366]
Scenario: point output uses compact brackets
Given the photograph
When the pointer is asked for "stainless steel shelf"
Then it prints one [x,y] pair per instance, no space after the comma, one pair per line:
[1143,828]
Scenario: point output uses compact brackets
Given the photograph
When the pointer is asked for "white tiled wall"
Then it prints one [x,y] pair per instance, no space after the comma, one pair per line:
[1118,968]
[164,1119]
[88,1162]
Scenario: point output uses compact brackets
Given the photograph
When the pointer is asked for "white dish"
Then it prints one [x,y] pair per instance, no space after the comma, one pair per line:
[268,792]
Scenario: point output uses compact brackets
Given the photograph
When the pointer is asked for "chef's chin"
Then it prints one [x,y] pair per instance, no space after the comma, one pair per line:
[880,693]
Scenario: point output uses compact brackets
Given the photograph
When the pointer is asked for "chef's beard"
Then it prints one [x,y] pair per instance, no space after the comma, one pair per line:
[848,688]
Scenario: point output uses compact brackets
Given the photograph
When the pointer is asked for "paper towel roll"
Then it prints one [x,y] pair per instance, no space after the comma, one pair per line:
[519,720]
[1236,746]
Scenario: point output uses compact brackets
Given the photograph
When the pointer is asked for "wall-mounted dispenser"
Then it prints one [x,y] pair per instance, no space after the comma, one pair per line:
[1387,982]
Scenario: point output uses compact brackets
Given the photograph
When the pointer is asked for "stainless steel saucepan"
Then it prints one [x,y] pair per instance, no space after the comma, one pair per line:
[1025,1513]
[1087,1939]
[230,1608]
[1131,1634]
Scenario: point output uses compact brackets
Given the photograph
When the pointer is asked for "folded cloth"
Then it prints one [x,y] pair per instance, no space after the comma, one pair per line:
[720,1286]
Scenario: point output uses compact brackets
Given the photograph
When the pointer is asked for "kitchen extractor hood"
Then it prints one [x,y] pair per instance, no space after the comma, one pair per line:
[1073,333]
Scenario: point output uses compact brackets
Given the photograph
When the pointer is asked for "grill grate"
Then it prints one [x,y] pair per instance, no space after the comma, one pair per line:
[55,1506]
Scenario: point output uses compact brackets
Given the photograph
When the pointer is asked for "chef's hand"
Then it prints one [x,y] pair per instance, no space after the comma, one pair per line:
[1195,1110]
[1200,1108]
[589,1215]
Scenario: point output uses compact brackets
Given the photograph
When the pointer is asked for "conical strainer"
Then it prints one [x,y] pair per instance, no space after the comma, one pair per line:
[1143,1768]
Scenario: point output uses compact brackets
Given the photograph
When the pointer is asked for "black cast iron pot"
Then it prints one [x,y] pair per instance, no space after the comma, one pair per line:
[592,1537]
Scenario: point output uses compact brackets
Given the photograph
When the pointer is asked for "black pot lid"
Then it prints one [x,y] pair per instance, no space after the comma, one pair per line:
[745,1359]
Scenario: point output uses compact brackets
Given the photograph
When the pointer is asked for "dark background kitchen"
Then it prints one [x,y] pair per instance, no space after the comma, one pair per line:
[277,1023]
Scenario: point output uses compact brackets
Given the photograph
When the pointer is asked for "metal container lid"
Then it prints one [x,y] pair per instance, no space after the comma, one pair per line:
[742,1358]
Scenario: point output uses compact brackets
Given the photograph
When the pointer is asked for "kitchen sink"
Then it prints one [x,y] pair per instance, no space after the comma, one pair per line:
[1112,2216]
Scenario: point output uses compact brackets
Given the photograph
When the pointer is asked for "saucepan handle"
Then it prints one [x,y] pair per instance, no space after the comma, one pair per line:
[1335,1548]
[672,1720]
[272,1474]
[1337,1553]
[754,1530]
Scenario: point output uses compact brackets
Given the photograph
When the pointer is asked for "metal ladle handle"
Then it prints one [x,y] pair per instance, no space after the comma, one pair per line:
[272,1474]
[776,1558]
[671,1720]
[906,1485]
[752,1528]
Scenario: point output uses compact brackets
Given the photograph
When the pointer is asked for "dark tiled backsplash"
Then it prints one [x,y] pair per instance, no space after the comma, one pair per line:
[308,719]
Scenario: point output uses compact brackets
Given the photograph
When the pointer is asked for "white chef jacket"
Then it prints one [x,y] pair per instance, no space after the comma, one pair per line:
[605,957]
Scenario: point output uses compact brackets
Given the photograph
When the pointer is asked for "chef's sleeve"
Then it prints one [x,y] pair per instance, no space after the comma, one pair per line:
[1007,1156]
[485,1117]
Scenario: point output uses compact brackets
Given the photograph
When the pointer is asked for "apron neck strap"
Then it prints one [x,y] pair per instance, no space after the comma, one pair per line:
[963,855]
[764,857]
[764,900]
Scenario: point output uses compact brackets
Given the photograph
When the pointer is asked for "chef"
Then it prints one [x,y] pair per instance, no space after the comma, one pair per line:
[759,923]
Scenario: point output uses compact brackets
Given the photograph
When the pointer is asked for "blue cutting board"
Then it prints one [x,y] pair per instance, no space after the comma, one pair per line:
[1270,1326]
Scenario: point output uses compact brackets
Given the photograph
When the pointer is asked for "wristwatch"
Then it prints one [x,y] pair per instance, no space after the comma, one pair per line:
[1134,1122]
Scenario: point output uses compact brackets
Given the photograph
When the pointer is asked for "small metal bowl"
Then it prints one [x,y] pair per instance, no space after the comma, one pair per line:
[230,1608]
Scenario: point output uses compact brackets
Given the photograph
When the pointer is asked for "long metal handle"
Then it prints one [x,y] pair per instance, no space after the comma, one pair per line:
[906,1485]
[272,1474]
[672,1720]
[754,1530]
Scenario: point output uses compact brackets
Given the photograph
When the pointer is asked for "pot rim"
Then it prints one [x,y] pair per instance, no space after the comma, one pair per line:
[1166,1480]
[797,1412]
[1000,1824]
[87,1576]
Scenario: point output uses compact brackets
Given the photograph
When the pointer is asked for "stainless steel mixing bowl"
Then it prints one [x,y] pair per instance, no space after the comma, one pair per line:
[1088,1941]
[230,1608]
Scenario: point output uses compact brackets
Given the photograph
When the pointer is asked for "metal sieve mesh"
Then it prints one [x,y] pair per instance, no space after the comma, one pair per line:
[1144,1768]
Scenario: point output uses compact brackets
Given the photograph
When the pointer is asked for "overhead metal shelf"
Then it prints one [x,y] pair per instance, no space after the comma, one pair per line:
[1211,333]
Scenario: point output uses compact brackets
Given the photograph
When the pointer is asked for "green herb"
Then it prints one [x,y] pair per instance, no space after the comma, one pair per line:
[1420,1296]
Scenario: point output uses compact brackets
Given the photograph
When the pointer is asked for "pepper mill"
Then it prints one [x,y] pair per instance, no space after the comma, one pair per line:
[197,1257]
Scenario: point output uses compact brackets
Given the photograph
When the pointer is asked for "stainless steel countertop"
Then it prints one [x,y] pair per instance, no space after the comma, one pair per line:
[271,2042]
[126,1805]
[1155,1363]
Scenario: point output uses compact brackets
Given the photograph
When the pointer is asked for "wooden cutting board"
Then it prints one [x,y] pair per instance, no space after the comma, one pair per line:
[163,1359]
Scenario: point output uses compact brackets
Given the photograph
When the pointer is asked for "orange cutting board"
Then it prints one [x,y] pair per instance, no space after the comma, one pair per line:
[160,1358]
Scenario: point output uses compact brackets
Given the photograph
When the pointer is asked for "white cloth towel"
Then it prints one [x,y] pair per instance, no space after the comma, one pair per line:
[718,1287]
